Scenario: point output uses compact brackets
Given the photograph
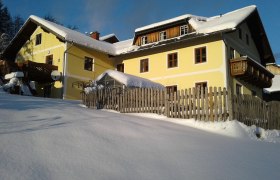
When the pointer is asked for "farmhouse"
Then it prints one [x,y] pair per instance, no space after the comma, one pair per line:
[229,50]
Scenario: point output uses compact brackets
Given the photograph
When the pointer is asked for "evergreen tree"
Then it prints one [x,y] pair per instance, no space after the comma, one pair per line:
[6,22]
[17,23]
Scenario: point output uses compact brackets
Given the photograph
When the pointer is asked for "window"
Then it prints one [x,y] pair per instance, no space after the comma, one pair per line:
[240,33]
[231,53]
[38,39]
[238,89]
[171,89]
[49,59]
[88,64]
[162,35]
[144,40]
[247,39]
[184,29]
[120,67]
[200,55]
[172,60]
[144,65]
[200,85]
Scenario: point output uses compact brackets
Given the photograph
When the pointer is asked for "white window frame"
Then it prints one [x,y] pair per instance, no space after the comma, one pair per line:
[144,40]
[162,35]
[184,29]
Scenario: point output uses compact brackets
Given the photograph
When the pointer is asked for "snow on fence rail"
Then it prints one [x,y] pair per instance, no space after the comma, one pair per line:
[209,104]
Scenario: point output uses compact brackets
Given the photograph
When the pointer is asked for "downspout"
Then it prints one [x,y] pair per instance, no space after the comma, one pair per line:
[64,72]
[229,84]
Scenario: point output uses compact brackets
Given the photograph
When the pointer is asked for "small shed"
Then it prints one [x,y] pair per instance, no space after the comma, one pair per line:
[116,79]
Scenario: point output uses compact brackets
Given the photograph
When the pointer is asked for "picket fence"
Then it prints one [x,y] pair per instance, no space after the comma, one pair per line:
[251,110]
[207,104]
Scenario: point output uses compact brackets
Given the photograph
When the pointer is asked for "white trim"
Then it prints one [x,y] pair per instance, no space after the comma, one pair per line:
[146,40]
[185,74]
[48,49]
[164,34]
[185,29]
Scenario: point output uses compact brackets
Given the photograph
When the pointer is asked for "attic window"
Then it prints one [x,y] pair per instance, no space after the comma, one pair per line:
[184,29]
[38,39]
[144,40]
[162,35]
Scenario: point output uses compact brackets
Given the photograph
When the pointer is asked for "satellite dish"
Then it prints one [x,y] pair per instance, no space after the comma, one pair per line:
[56,75]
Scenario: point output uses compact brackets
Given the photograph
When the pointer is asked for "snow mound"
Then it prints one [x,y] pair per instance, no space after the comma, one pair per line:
[234,129]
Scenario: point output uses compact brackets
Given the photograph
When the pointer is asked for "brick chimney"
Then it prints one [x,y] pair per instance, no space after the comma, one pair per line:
[95,35]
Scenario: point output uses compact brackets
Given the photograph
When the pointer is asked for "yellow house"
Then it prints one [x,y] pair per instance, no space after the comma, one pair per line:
[79,58]
[229,50]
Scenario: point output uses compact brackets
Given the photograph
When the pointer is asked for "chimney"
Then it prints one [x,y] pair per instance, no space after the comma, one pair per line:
[95,35]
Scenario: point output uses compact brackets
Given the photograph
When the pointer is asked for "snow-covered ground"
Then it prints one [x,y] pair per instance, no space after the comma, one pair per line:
[56,139]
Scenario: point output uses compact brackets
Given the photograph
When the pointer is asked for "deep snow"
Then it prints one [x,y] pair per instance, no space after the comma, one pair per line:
[56,139]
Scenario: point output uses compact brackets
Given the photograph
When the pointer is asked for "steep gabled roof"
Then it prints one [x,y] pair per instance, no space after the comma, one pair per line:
[228,21]
[62,33]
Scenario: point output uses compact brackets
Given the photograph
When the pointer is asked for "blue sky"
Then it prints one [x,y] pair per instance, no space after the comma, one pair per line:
[122,17]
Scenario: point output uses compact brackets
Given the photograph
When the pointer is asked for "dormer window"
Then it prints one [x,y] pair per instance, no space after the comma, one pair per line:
[144,40]
[162,35]
[184,30]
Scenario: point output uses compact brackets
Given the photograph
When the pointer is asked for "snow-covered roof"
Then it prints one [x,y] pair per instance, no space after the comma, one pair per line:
[275,85]
[76,37]
[130,80]
[222,22]
[168,22]
[204,25]
[125,46]
[106,37]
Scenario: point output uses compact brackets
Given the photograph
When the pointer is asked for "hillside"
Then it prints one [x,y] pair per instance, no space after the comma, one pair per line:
[56,139]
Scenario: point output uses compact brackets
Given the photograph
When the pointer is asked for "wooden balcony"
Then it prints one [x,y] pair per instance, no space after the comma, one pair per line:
[251,72]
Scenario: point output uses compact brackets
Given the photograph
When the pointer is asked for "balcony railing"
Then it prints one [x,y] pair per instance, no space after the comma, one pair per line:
[251,72]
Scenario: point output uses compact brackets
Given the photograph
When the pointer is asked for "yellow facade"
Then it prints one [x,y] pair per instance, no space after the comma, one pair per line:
[49,45]
[187,73]
[69,58]
[75,68]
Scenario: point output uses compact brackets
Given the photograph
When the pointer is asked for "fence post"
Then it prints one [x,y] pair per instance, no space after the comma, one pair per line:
[230,105]
[166,109]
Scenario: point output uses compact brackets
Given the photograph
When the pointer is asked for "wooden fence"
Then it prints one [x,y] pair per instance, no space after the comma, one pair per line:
[253,111]
[209,104]
[201,104]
